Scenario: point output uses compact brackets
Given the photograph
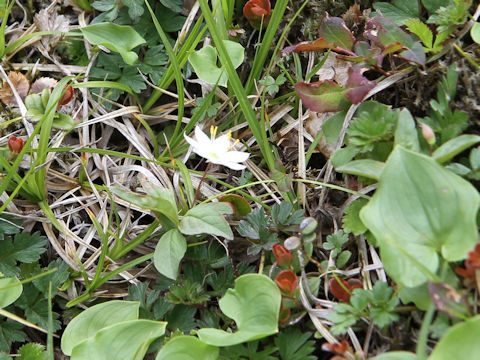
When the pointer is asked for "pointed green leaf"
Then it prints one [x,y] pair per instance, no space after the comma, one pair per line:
[169,252]
[406,133]
[118,38]
[334,30]
[187,348]
[207,219]
[454,147]
[365,167]
[419,211]
[157,199]
[92,320]
[460,342]
[254,304]
[123,341]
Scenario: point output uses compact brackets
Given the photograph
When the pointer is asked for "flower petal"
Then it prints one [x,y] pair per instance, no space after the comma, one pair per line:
[232,165]
[237,156]
[200,136]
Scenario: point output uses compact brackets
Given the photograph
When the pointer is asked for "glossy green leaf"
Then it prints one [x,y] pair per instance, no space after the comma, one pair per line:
[460,342]
[365,167]
[92,320]
[396,355]
[187,348]
[10,290]
[204,62]
[169,252]
[334,30]
[127,340]
[118,38]
[207,219]
[406,132]
[454,147]
[434,5]
[254,304]
[157,199]
[420,211]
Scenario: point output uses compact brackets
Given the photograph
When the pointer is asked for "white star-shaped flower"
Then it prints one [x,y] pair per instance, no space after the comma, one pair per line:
[217,150]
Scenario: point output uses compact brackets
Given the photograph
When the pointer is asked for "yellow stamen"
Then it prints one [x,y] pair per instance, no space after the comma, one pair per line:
[229,136]
[213,131]
[234,143]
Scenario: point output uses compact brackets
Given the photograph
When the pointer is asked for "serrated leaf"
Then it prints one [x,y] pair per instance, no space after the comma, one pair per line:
[32,351]
[169,252]
[135,8]
[351,219]
[118,38]
[437,218]
[122,341]
[294,345]
[207,219]
[254,305]
[10,332]
[187,347]
[95,318]
[421,30]
[23,247]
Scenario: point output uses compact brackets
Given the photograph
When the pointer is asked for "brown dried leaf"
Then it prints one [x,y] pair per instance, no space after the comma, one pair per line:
[21,85]
[42,83]
[46,21]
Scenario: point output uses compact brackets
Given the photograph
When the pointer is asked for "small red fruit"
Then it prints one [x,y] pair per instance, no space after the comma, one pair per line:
[67,96]
[15,144]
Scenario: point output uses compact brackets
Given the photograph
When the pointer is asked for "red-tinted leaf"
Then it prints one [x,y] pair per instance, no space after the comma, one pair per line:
[321,96]
[328,96]
[254,10]
[241,207]
[372,55]
[447,300]
[358,86]
[334,35]
[384,33]
[472,264]
[334,30]
[338,290]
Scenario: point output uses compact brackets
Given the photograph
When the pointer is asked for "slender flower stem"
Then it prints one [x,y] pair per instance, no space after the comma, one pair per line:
[201,182]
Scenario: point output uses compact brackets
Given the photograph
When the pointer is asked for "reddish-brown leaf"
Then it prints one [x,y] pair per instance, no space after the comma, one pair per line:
[21,85]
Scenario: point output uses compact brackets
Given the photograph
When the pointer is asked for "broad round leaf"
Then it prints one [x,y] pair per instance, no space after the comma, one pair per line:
[169,252]
[204,62]
[187,348]
[127,340]
[118,38]
[10,290]
[254,304]
[207,219]
[460,342]
[475,32]
[90,321]
[420,210]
